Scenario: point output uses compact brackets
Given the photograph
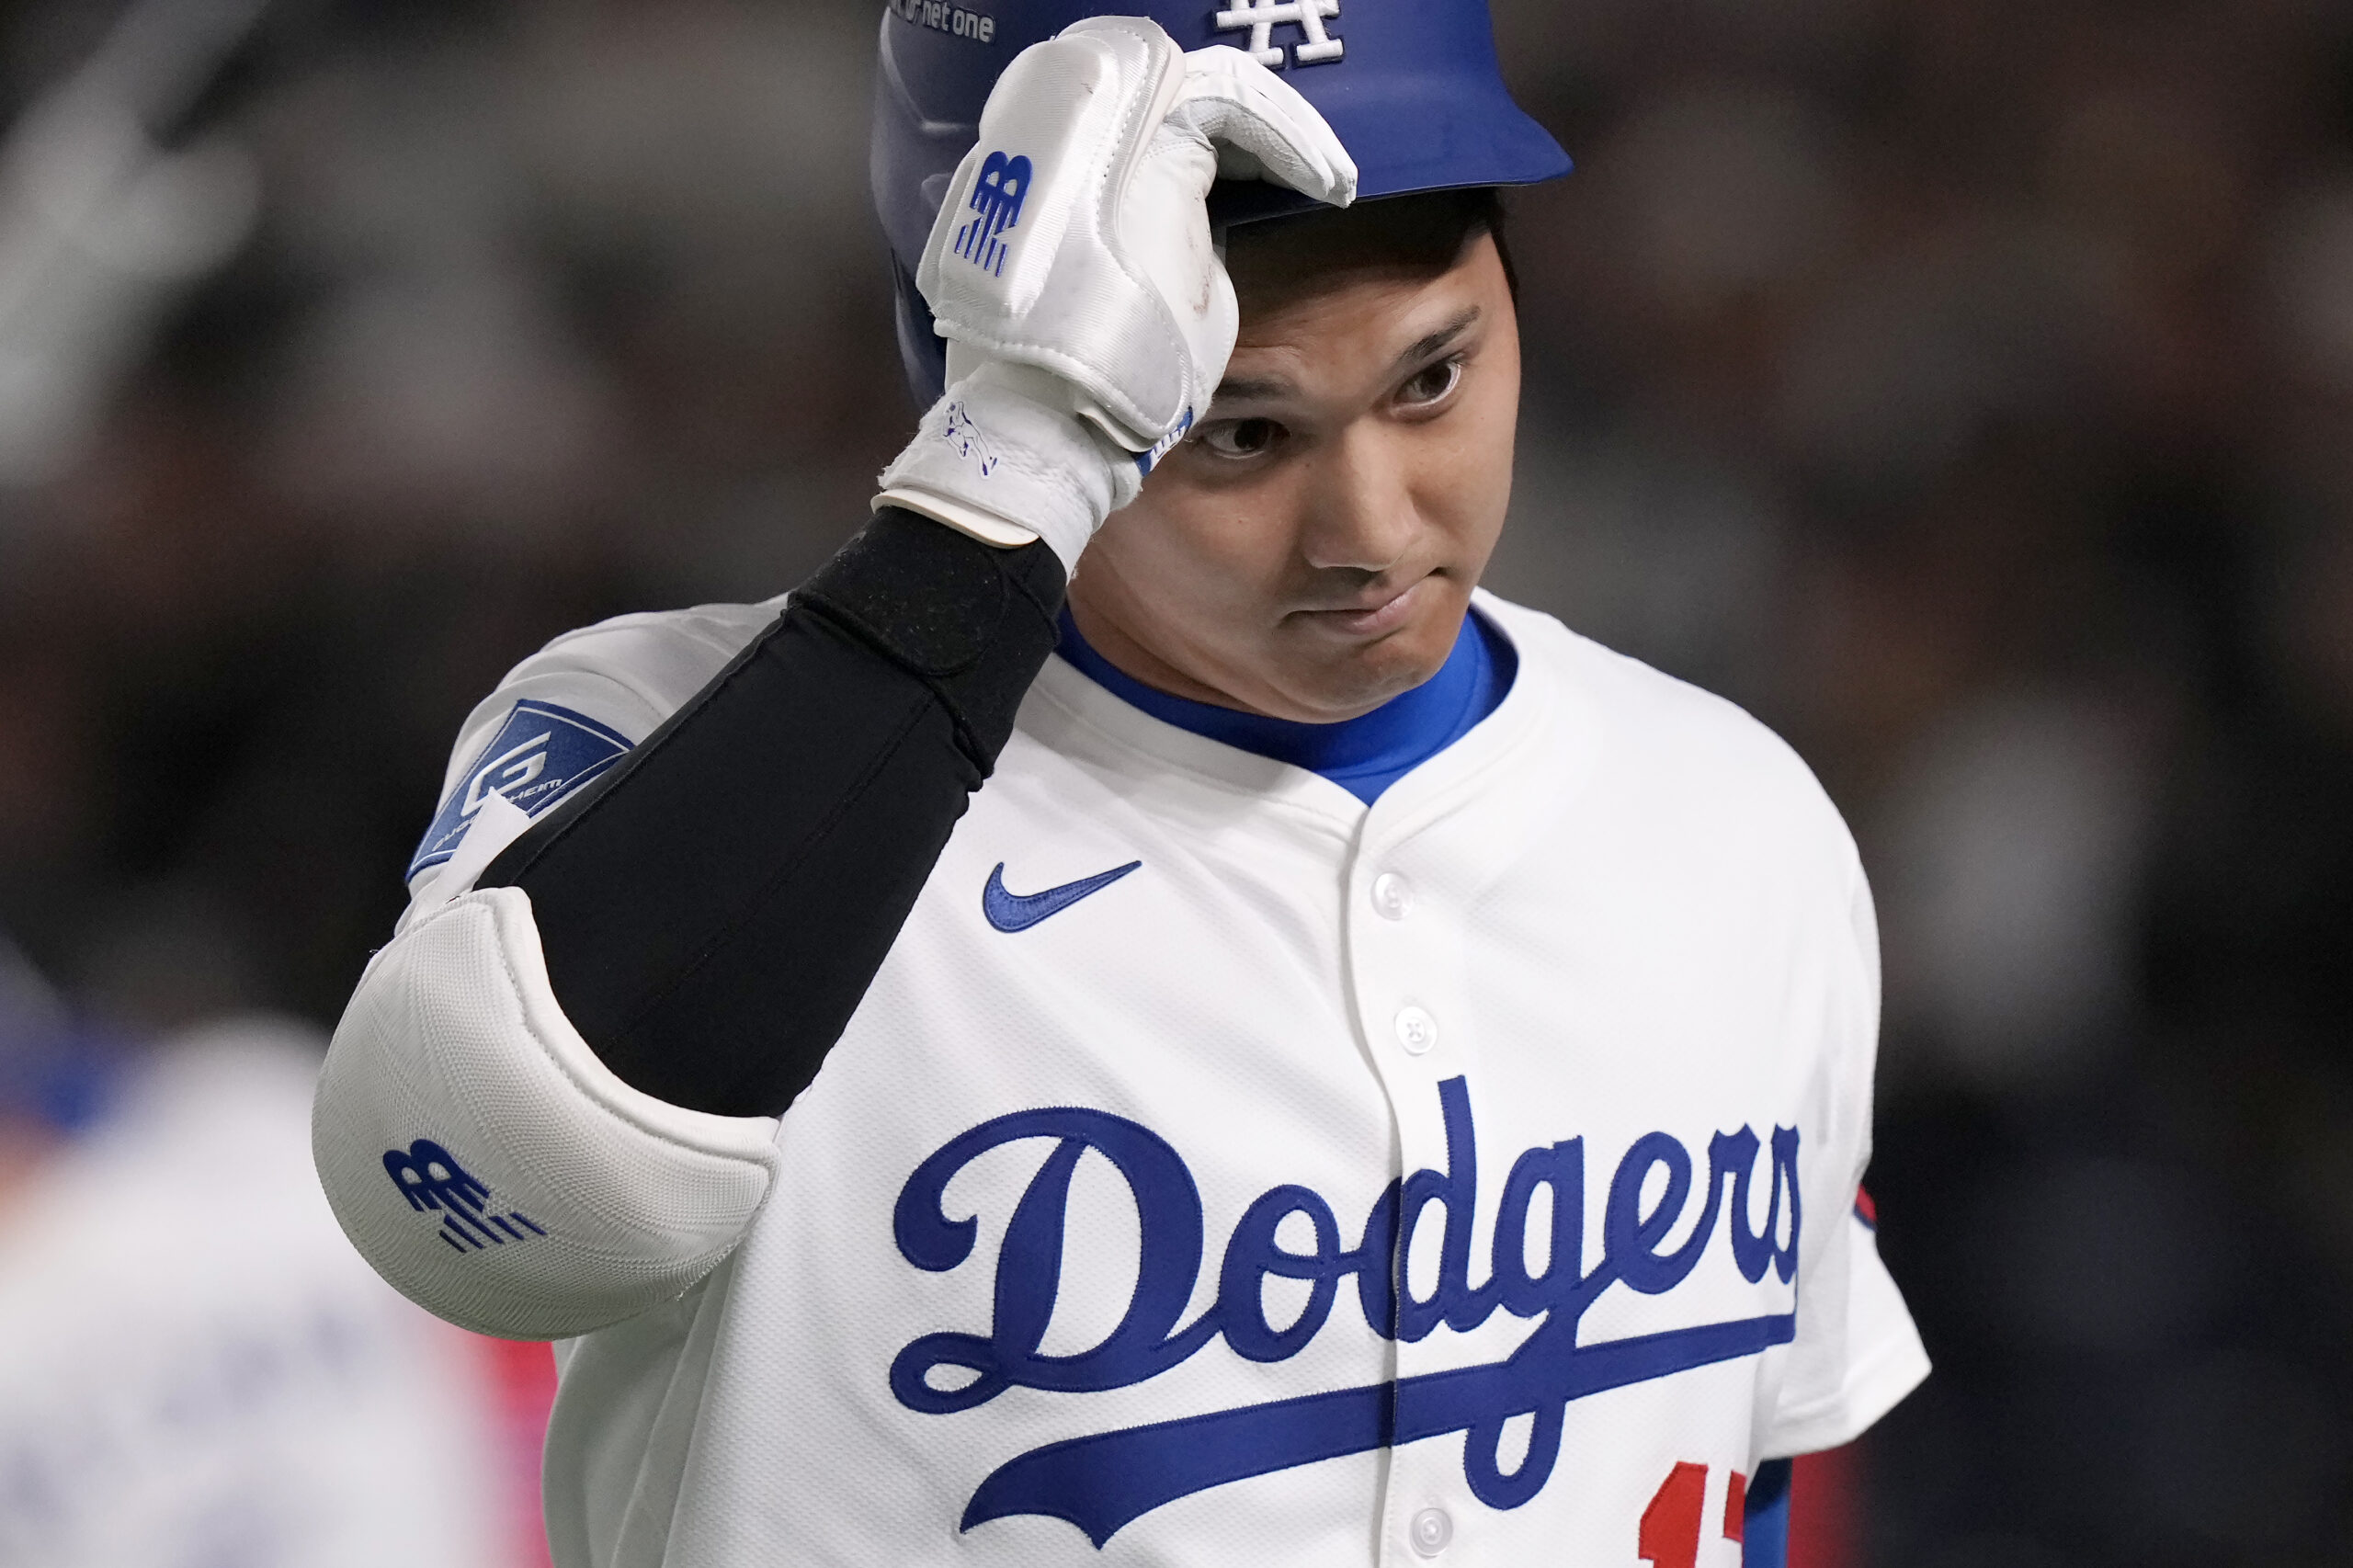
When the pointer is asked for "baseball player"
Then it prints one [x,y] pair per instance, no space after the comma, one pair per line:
[1372,1077]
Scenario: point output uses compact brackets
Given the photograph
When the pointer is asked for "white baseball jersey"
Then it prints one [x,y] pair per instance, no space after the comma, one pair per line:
[1078,1247]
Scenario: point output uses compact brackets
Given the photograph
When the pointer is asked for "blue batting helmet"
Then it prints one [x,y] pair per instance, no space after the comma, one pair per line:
[1411,87]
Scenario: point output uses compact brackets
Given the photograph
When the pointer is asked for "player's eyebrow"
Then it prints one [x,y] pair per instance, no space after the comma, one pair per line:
[1424,346]
[1251,388]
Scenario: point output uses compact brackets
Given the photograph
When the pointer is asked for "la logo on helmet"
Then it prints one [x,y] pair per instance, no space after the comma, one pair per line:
[1262,16]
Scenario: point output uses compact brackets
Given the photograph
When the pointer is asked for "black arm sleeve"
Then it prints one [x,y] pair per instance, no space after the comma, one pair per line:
[714,909]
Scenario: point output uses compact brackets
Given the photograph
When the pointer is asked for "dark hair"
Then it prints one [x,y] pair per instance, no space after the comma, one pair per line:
[1422,235]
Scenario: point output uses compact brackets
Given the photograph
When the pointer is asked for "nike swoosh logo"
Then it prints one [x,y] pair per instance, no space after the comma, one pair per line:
[1019,911]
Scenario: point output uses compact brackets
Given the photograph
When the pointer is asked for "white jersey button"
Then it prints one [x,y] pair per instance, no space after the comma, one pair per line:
[1430,1530]
[1392,895]
[1416,1030]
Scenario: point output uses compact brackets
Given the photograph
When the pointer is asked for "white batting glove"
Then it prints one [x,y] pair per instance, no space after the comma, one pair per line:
[1070,269]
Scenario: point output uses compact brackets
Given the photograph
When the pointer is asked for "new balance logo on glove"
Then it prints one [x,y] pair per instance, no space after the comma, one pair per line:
[996,197]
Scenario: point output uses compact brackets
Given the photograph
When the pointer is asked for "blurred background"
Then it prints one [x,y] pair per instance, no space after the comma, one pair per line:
[1964,386]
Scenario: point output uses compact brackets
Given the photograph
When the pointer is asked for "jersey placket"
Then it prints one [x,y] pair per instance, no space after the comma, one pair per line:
[1403,946]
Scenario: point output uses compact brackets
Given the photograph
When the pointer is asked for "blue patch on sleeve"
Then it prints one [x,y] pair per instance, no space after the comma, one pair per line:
[541,753]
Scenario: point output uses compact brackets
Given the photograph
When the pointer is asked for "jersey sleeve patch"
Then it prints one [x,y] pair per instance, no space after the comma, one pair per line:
[539,755]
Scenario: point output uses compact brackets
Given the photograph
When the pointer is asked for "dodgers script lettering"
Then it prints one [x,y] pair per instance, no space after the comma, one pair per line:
[1103,1483]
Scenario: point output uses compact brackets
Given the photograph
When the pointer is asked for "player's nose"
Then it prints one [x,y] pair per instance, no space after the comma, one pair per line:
[1358,509]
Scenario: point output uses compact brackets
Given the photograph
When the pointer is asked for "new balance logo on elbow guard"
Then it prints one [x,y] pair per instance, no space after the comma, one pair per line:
[1102,1483]
[433,1182]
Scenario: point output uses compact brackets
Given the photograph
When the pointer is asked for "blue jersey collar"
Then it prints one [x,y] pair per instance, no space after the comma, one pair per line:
[1363,755]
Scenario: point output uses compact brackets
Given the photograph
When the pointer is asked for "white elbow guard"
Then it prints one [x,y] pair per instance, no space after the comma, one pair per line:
[484,1161]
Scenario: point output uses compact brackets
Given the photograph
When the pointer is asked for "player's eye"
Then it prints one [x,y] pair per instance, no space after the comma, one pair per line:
[1432,384]
[1239,437]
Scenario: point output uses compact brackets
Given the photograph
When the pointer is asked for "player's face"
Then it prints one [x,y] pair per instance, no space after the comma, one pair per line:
[1309,551]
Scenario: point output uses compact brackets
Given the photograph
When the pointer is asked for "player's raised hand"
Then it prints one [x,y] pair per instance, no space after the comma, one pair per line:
[1232,116]
[1072,271]
[1105,141]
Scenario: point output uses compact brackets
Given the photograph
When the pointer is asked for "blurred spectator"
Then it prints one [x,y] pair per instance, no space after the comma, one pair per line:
[198,1371]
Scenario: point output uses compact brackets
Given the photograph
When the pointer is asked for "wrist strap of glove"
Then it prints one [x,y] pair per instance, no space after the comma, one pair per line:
[1002,458]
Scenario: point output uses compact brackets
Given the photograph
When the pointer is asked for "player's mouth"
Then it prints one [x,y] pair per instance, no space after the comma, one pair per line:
[1369,615]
